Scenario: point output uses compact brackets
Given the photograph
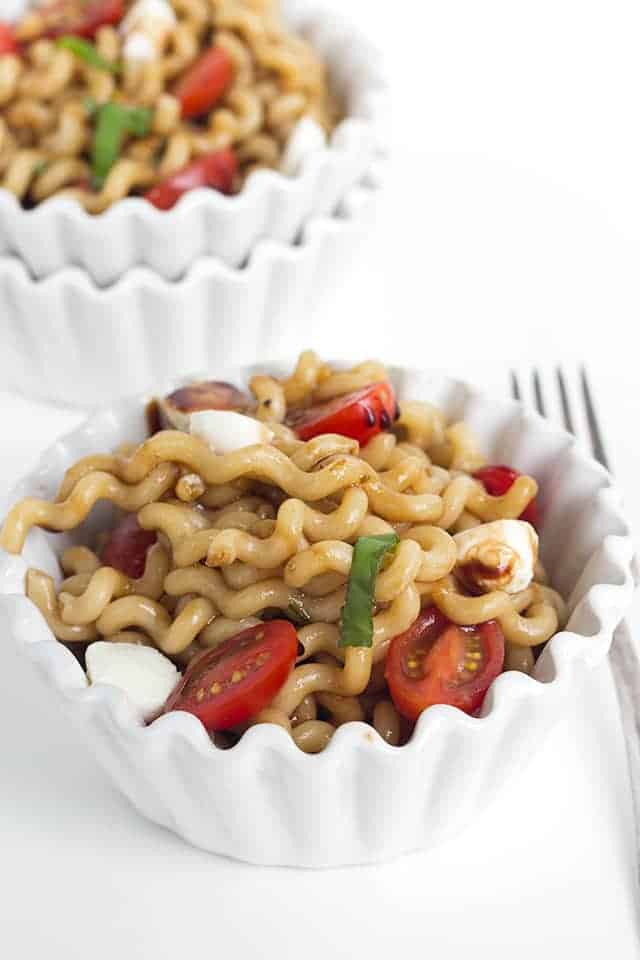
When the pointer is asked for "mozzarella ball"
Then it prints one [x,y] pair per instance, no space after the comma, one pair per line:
[143,673]
[225,431]
[146,29]
[307,138]
[501,555]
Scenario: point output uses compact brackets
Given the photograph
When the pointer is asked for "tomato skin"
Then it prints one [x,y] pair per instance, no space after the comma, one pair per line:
[419,680]
[215,170]
[360,415]
[8,41]
[497,479]
[261,658]
[208,395]
[127,547]
[66,17]
[205,82]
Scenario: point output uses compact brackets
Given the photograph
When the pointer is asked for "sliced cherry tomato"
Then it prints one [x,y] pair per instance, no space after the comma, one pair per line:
[436,661]
[498,479]
[205,82]
[215,170]
[207,395]
[360,415]
[126,549]
[8,41]
[233,682]
[82,18]
[172,412]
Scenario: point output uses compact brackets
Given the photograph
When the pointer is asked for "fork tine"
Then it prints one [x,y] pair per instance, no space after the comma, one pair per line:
[537,393]
[564,401]
[592,421]
[515,386]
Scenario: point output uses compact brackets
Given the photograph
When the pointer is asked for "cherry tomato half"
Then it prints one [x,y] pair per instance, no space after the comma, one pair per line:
[208,395]
[205,82]
[435,661]
[233,682]
[498,479]
[80,18]
[216,170]
[360,415]
[8,42]
[126,549]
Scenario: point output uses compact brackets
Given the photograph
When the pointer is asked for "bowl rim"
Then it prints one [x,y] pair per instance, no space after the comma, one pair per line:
[607,601]
[267,251]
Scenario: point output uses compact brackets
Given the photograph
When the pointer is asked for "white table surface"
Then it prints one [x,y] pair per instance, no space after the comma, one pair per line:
[509,236]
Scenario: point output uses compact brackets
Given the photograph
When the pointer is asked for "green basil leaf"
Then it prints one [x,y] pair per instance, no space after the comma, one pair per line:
[357,620]
[87,52]
[90,106]
[139,120]
[113,121]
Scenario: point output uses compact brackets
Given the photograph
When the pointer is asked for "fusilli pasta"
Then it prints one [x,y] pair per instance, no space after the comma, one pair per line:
[274,530]
[51,94]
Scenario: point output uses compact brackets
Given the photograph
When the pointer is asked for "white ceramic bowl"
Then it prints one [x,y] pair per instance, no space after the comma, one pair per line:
[67,341]
[361,800]
[59,233]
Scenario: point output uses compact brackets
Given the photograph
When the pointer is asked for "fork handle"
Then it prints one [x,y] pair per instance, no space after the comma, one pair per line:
[625,664]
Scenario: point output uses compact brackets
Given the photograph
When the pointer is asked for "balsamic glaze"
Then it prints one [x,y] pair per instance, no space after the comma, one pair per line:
[369,414]
[154,420]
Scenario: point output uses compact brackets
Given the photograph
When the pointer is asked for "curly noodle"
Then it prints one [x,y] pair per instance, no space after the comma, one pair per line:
[49,96]
[269,530]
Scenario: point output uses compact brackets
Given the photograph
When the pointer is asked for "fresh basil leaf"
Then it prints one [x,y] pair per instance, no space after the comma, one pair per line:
[87,52]
[357,620]
[139,120]
[113,121]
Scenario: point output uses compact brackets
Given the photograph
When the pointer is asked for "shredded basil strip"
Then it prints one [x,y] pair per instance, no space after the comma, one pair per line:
[357,621]
[90,106]
[112,123]
[87,52]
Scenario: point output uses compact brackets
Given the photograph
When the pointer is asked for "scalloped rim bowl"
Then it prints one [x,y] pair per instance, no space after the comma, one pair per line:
[361,800]
[59,233]
[146,329]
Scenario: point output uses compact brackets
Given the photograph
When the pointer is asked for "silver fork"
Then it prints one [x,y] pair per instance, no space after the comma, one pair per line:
[568,398]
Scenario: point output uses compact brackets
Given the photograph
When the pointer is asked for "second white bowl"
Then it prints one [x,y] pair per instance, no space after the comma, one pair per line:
[360,800]
[66,341]
[58,233]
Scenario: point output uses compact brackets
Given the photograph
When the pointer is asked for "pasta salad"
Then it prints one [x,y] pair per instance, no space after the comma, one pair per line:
[104,99]
[306,552]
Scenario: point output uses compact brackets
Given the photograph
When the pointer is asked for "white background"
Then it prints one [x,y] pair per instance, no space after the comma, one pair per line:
[509,236]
